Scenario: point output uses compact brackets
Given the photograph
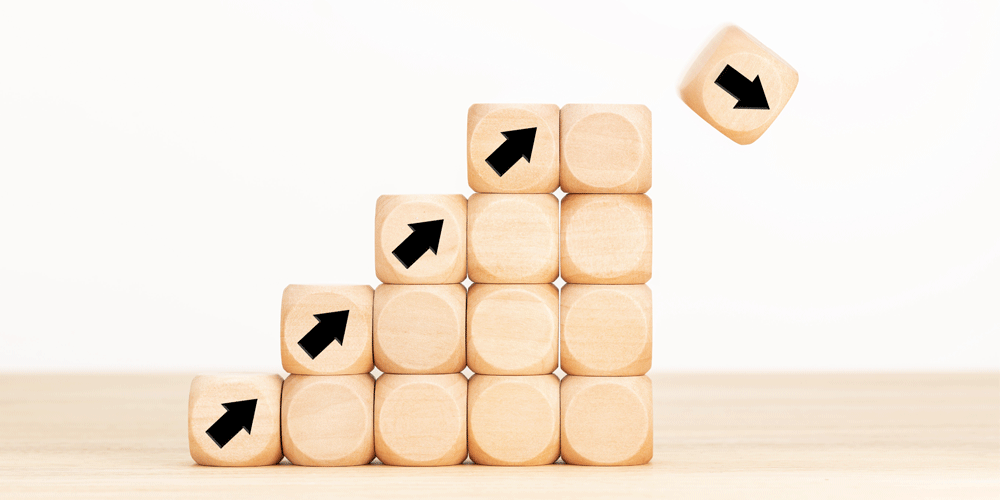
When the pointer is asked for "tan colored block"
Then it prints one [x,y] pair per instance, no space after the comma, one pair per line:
[607,330]
[513,329]
[605,148]
[607,239]
[738,85]
[420,329]
[606,420]
[300,306]
[513,238]
[514,420]
[421,419]
[234,419]
[420,239]
[327,420]
[536,159]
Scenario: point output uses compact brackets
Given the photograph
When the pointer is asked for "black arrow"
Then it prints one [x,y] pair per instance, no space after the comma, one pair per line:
[425,236]
[331,327]
[519,143]
[239,415]
[749,95]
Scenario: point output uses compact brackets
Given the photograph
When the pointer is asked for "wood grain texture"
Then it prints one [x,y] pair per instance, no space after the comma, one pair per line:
[606,420]
[513,329]
[300,304]
[513,238]
[420,420]
[514,420]
[607,238]
[394,213]
[487,122]
[607,330]
[328,420]
[420,328]
[261,446]
[605,148]
[734,47]
[717,436]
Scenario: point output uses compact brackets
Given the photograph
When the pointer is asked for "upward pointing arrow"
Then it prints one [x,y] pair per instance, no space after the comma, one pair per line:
[749,95]
[519,144]
[331,326]
[239,415]
[425,236]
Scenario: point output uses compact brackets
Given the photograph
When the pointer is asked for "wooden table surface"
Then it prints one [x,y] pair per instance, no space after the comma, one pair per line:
[907,436]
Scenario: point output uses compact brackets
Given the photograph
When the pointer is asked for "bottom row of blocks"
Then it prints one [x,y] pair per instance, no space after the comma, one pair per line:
[249,420]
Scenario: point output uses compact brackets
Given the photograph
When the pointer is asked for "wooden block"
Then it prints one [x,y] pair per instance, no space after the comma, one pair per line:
[514,420]
[606,420]
[607,330]
[234,419]
[605,148]
[420,239]
[513,329]
[738,85]
[513,148]
[421,419]
[420,329]
[326,329]
[327,420]
[513,238]
[607,239]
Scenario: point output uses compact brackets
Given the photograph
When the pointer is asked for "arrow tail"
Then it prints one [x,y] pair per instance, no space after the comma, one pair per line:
[503,158]
[411,249]
[224,429]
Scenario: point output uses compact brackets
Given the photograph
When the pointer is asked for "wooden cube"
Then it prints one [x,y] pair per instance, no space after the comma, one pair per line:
[420,239]
[605,148]
[513,238]
[326,329]
[514,420]
[606,420]
[327,420]
[738,85]
[513,329]
[235,419]
[607,239]
[420,329]
[513,148]
[421,419]
[607,330]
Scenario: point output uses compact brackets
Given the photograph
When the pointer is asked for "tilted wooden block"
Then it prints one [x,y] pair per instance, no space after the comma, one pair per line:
[513,148]
[420,238]
[326,329]
[327,420]
[605,148]
[738,85]
[514,420]
[513,238]
[420,328]
[606,420]
[421,419]
[607,330]
[235,419]
[607,239]
[513,329]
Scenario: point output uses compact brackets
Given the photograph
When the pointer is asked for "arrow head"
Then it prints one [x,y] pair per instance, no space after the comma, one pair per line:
[518,144]
[428,233]
[523,141]
[331,326]
[242,412]
[754,98]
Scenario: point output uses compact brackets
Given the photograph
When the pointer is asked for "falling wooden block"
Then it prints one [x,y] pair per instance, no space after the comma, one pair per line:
[513,329]
[513,238]
[605,148]
[326,329]
[738,85]
[327,420]
[606,420]
[420,239]
[421,419]
[514,420]
[420,328]
[234,419]
[607,239]
[607,330]
[513,148]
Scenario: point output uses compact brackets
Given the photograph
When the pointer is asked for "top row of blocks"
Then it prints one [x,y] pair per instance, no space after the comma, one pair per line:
[582,148]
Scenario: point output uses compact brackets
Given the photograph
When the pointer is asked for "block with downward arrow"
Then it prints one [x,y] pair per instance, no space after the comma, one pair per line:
[327,329]
[420,239]
[234,419]
[513,148]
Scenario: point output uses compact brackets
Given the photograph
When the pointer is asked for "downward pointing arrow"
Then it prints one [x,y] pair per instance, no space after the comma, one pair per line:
[749,95]
[239,415]
[425,236]
[331,326]
[519,144]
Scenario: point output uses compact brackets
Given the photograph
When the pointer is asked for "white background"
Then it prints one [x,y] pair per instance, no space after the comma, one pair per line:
[166,168]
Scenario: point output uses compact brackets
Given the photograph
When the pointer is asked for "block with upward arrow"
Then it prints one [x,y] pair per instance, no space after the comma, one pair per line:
[327,329]
[513,148]
[234,419]
[420,239]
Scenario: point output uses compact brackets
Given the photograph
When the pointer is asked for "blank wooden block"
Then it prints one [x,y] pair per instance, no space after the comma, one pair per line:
[605,148]
[738,85]
[607,330]
[420,329]
[513,148]
[234,419]
[607,239]
[420,239]
[606,420]
[328,420]
[421,419]
[513,329]
[513,238]
[326,329]
[514,420]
